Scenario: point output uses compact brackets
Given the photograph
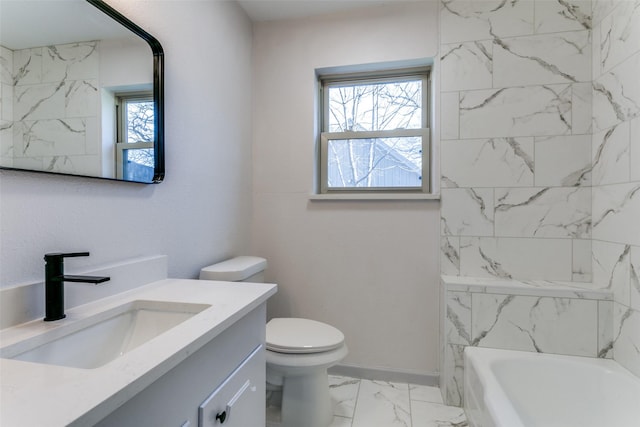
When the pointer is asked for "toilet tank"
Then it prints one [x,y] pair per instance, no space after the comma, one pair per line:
[238,269]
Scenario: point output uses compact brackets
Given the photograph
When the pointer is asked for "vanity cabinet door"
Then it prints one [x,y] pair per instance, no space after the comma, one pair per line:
[223,365]
[234,402]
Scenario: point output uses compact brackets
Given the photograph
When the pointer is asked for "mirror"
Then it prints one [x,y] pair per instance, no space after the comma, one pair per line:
[81,93]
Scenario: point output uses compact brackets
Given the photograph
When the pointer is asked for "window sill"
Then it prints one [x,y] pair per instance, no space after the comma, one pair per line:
[375,196]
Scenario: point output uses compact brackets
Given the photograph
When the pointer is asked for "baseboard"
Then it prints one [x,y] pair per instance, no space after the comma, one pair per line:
[380,374]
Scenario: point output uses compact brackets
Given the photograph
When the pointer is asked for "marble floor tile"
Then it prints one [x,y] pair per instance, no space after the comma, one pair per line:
[425,393]
[366,403]
[382,403]
[340,422]
[427,414]
[344,392]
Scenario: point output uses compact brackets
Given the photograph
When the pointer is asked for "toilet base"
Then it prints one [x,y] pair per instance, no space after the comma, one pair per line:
[304,383]
[306,401]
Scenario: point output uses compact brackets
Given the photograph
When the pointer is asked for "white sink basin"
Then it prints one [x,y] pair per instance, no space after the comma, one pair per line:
[96,340]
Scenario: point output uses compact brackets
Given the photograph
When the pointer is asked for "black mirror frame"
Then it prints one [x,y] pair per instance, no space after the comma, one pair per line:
[158,85]
[158,97]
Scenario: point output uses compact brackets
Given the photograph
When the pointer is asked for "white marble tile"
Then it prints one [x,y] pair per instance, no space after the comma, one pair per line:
[605,329]
[424,403]
[76,61]
[562,15]
[615,213]
[626,349]
[581,260]
[546,259]
[76,165]
[595,52]
[546,325]
[6,66]
[27,66]
[542,59]
[611,155]
[6,162]
[54,79]
[50,137]
[516,111]
[6,102]
[450,255]
[616,94]
[6,143]
[467,211]
[39,101]
[493,162]
[464,20]
[620,34]
[344,393]
[81,98]
[340,422]
[465,66]
[449,115]
[602,8]
[581,108]
[93,138]
[382,403]
[425,393]
[635,277]
[457,327]
[6,84]
[452,378]
[537,288]
[611,269]
[543,212]
[33,163]
[563,161]
[634,149]
[427,414]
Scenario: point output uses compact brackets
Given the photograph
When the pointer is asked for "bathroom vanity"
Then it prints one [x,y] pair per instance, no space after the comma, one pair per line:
[206,367]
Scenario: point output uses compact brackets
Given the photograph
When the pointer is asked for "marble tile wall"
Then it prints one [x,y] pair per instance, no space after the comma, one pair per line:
[543,317]
[540,163]
[52,93]
[616,170]
[6,106]
[516,139]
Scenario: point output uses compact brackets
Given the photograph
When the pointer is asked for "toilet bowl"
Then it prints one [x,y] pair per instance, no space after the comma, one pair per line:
[298,353]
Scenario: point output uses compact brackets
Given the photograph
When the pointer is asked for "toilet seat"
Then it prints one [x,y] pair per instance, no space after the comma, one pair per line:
[302,336]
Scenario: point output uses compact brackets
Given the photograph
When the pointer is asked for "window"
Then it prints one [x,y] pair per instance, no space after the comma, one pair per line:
[374,132]
[134,149]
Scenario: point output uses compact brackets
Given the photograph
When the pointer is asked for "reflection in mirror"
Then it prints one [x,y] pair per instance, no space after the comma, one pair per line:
[82,91]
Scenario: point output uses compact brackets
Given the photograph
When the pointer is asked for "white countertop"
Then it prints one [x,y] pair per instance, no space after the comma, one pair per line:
[33,394]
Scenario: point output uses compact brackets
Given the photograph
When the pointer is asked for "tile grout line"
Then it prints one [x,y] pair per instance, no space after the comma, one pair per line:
[414,403]
[410,405]
[355,405]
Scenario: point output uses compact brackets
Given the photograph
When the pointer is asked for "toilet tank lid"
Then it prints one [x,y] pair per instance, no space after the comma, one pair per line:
[234,269]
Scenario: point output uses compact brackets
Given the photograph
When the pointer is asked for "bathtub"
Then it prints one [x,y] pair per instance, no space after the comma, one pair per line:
[505,388]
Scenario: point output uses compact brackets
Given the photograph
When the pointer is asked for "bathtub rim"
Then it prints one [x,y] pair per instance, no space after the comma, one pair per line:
[501,410]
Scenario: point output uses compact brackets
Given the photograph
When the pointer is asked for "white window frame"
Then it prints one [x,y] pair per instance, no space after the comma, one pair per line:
[121,123]
[325,136]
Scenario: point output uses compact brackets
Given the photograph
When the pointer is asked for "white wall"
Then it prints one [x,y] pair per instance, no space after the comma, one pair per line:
[201,213]
[369,268]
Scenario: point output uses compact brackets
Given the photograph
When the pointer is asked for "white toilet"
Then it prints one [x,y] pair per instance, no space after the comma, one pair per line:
[299,352]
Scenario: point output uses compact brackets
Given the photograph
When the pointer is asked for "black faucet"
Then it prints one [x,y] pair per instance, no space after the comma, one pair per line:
[54,283]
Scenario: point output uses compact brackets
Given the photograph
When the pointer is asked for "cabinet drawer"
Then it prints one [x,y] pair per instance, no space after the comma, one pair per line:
[236,401]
